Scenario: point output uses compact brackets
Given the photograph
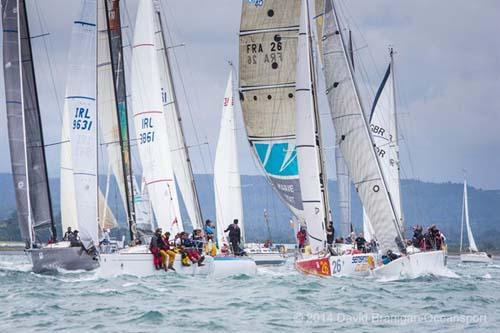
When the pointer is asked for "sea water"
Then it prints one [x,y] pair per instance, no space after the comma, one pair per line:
[278,299]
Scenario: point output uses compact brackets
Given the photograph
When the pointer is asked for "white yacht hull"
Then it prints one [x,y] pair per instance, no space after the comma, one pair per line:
[138,261]
[413,266]
[480,257]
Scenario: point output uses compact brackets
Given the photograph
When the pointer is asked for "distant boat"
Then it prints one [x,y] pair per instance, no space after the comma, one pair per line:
[472,253]
[227,183]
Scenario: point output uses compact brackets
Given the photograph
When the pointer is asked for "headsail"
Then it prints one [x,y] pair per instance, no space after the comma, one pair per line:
[149,120]
[268,55]
[24,124]
[80,105]
[353,135]
[178,147]
[227,183]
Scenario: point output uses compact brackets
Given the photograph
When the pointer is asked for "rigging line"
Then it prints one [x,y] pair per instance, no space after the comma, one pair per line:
[51,71]
[181,79]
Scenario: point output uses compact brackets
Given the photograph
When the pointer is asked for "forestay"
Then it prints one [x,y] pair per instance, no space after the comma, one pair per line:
[227,183]
[80,106]
[149,120]
[353,135]
[268,55]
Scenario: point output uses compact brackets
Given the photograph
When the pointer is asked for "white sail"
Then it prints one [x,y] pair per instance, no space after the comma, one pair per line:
[149,120]
[367,227]
[143,213]
[307,143]
[80,107]
[67,185]
[108,115]
[384,133]
[227,183]
[107,219]
[178,148]
[472,242]
[353,134]
[344,190]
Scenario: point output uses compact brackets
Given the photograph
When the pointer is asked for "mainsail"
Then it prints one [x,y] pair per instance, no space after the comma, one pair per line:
[308,141]
[178,147]
[149,120]
[24,124]
[353,135]
[465,216]
[227,183]
[268,55]
[383,124]
[80,108]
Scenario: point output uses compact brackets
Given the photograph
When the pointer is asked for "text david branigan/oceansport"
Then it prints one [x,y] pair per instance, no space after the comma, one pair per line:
[397,319]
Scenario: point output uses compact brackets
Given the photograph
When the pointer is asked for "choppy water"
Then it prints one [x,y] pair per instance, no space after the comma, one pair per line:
[278,299]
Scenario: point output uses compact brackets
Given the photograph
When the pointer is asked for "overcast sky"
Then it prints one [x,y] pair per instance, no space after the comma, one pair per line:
[448,77]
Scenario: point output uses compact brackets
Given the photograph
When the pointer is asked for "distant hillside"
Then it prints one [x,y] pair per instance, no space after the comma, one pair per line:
[423,203]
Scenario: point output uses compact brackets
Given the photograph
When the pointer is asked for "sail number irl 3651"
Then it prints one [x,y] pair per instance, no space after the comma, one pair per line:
[148,134]
[82,120]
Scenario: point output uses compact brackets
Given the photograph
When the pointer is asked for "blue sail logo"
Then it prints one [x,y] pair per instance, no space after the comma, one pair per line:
[278,159]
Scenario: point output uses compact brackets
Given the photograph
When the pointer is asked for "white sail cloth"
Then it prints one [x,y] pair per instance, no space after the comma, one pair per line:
[227,183]
[307,143]
[81,121]
[268,52]
[470,236]
[353,135]
[149,120]
[178,149]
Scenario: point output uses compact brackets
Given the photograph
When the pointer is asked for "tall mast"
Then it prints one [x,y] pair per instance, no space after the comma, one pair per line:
[396,134]
[115,47]
[356,89]
[322,176]
[30,216]
[199,216]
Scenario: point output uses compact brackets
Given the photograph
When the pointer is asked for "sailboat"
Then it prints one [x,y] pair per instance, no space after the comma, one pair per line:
[356,143]
[227,190]
[28,150]
[472,254]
